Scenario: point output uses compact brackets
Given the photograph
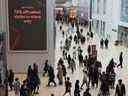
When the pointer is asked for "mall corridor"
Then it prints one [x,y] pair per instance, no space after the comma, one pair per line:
[104,55]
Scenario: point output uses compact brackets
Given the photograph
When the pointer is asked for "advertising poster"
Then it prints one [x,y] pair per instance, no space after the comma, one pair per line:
[27,25]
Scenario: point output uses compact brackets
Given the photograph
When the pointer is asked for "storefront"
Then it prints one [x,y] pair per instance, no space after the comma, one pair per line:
[99,27]
[72,14]
[82,13]
[123,35]
[59,12]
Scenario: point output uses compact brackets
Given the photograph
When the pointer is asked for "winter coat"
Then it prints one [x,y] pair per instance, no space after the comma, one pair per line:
[120,91]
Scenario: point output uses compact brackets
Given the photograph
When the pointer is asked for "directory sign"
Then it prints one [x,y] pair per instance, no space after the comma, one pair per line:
[27,25]
[124,11]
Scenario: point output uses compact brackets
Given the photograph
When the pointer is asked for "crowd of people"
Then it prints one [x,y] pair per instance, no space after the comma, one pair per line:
[29,86]
[93,77]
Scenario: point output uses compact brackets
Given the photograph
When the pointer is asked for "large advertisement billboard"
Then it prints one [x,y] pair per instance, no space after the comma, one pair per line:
[27,25]
[124,11]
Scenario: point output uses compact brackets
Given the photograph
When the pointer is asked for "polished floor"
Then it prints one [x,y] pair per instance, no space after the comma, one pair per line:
[104,55]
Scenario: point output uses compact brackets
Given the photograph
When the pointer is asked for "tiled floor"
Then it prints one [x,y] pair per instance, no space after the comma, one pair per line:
[103,55]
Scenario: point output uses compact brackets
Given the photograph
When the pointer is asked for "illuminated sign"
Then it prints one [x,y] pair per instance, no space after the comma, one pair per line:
[27,25]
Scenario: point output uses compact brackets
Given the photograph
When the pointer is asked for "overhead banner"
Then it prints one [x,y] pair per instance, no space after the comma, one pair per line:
[124,11]
[27,25]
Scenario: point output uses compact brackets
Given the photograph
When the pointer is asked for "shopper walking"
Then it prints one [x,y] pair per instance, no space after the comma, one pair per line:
[86,93]
[102,43]
[80,57]
[120,60]
[77,88]
[24,89]
[85,81]
[68,86]
[36,78]
[45,67]
[120,89]
[30,71]
[51,76]
[60,74]
[11,79]
[17,86]
[64,71]
[106,43]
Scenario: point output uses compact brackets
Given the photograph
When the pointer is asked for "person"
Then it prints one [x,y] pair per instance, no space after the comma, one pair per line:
[63,33]
[11,78]
[69,60]
[73,65]
[70,37]
[29,71]
[68,86]
[120,60]
[91,34]
[76,39]
[45,67]
[31,85]
[85,61]
[0,79]
[112,78]
[77,89]
[36,78]
[74,54]
[120,89]
[95,76]
[110,66]
[60,74]
[80,51]
[88,35]
[104,87]
[80,57]
[60,27]
[64,54]
[102,43]
[51,76]
[24,89]
[17,86]
[89,50]
[90,74]
[64,71]
[106,43]
[86,93]
[52,95]
[84,78]
[81,30]
[60,61]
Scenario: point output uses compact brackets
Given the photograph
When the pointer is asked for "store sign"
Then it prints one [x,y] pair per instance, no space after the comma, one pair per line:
[27,25]
[124,11]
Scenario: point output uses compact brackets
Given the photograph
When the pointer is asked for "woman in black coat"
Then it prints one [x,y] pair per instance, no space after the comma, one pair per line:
[77,88]
[120,89]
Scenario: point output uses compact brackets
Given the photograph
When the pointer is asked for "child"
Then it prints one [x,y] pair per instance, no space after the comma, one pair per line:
[17,86]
